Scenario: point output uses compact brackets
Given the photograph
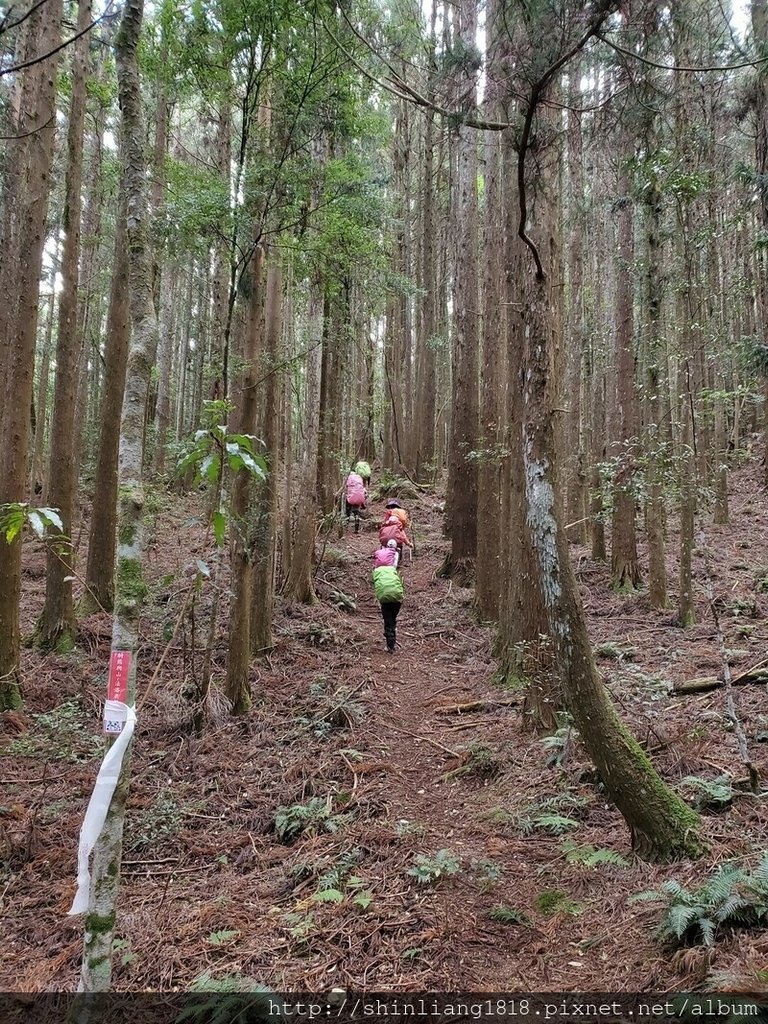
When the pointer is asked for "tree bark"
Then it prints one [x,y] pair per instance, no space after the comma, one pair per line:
[264,528]
[299,585]
[625,568]
[238,689]
[100,568]
[24,216]
[56,627]
[462,464]
[130,588]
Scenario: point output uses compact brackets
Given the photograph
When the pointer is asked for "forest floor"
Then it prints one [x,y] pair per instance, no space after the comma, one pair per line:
[359,754]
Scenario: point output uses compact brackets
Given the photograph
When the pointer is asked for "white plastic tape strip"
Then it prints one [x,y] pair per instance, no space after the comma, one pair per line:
[96,814]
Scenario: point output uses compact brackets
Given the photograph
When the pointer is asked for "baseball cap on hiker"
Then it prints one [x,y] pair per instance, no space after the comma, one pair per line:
[393,504]
[391,543]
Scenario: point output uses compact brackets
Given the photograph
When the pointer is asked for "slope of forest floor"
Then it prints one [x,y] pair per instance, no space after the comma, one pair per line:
[358,758]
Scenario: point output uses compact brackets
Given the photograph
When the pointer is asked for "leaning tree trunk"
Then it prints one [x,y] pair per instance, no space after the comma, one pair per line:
[130,589]
[25,202]
[56,627]
[662,826]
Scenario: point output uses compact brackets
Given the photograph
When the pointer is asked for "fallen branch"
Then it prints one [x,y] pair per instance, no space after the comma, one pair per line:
[704,683]
[474,705]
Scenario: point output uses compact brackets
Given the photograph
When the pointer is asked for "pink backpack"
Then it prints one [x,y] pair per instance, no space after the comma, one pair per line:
[355,490]
[385,556]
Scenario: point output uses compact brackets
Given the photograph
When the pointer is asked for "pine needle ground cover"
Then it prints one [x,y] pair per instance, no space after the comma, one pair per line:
[333,836]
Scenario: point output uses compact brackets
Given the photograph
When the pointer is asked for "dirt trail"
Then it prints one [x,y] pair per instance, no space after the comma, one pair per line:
[346,751]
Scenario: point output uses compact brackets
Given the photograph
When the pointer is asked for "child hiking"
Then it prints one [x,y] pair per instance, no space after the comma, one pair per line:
[387,554]
[389,593]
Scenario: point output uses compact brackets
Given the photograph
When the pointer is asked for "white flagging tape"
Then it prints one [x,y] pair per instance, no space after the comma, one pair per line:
[96,814]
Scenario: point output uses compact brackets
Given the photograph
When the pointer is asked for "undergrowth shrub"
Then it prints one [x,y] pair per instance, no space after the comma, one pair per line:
[704,794]
[732,898]
[310,818]
[428,870]
[232,997]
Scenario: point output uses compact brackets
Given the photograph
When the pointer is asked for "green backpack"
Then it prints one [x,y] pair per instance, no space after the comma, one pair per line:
[388,585]
[363,470]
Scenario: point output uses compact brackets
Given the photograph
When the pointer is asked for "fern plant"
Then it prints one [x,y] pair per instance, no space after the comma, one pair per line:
[428,870]
[558,744]
[703,793]
[732,898]
[590,856]
[312,817]
[508,915]
[233,997]
[555,824]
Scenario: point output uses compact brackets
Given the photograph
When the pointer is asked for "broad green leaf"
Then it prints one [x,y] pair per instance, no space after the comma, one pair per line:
[36,522]
[188,461]
[245,441]
[363,899]
[252,465]
[13,521]
[210,468]
[52,516]
[219,527]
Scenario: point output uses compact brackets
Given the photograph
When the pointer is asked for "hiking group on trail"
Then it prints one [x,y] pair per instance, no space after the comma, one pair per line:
[387,575]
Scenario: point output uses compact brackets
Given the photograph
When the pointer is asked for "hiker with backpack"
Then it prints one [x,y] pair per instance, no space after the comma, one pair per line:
[394,508]
[386,555]
[392,529]
[355,498]
[389,593]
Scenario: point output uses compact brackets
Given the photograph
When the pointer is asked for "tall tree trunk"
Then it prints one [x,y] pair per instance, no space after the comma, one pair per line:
[100,568]
[661,825]
[37,476]
[524,659]
[24,214]
[625,568]
[299,585]
[264,529]
[686,609]
[462,464]
[575,481]
[331,394]
[654,380]
[238,688]
[489,573]
[130,588]
[426,381]
[56,627]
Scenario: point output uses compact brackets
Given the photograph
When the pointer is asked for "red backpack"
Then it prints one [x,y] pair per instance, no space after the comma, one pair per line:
[392,530]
